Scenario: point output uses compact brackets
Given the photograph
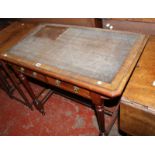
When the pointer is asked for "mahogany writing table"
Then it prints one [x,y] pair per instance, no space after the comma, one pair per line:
[93,63]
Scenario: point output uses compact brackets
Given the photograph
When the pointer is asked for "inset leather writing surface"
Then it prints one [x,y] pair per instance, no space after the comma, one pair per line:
[91,53]
[51,32]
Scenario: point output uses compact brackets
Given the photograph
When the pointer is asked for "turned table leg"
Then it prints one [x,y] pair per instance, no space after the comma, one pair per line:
[26,84]
[5,85]
[13,79]
[99,107]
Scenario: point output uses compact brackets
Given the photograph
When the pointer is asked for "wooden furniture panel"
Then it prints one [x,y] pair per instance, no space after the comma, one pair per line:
[147,20]
[4,22]
[53,81]
[136,120]
[137,110]
[89,22]
[69,87]
[140,26]
[31,73]
[10,35]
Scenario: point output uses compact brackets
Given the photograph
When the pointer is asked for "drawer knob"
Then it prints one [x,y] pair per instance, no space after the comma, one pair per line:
[76,89]
[22,69]
[57,83]
[34,74]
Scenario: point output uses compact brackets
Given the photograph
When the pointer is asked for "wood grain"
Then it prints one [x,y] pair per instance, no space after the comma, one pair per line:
[149,20]
[136,121]
[89,22]
[131,25]
[137,110]
[13,33]
[140,88]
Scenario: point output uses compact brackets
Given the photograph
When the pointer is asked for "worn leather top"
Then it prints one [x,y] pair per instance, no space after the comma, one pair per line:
[88,52]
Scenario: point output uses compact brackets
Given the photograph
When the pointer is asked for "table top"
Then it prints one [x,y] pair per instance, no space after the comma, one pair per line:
[96,59]
[141,87]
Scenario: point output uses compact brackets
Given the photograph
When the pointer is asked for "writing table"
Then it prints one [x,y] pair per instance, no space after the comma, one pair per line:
[90,62]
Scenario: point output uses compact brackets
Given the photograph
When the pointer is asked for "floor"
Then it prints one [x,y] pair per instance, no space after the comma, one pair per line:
[72,119]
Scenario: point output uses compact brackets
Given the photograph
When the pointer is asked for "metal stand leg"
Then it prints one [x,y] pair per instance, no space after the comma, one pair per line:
[15,83]
[26,84]
[99,107]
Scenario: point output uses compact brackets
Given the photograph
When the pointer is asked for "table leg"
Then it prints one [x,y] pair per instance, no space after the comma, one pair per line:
[26,84]
[99,107]
[15,83]
[5,85]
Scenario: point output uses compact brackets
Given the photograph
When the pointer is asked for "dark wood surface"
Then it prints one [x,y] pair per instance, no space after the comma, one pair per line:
[136,121]
[137,110]
[147,20]
[89,22]
[145,26]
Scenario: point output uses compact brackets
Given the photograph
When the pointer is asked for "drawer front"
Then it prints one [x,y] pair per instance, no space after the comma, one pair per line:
[55,82]
[69,87]
[131,26]
[31,73]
